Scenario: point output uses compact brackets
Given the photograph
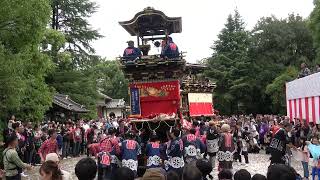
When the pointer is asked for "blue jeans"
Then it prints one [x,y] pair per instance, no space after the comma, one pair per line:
[76,148]
[66,149]
[315,171]
[305,166]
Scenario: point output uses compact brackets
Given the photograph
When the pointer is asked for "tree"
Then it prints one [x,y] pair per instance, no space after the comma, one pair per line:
[72,52]
[23,67]
[80,85]
[231,68]
[276,89]
[276,45]
[71,18]
[314,24]
[111,80]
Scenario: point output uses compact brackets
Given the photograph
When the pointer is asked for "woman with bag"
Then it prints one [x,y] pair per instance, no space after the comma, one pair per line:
[13,165]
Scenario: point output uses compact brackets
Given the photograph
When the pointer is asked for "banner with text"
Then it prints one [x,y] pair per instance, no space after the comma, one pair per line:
[135,102]
[158,97]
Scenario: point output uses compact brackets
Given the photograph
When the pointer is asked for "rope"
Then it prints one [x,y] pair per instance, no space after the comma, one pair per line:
[140,128]
[155,128]
[169,125]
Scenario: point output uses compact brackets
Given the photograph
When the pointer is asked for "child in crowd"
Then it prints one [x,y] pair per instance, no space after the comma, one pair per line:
[244,145]
[305,160]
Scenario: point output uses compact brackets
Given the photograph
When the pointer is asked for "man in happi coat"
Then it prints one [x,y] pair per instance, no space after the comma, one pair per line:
[109,147]
[130,149]
[212,142]
[192,146]
[175,152]
[279,144]
[226,148]
[153,152]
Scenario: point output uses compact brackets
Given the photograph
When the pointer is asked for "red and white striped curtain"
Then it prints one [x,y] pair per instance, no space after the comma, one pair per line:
[303,98]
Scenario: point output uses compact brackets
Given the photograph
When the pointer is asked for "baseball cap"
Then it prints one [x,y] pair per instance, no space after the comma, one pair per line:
[52,157]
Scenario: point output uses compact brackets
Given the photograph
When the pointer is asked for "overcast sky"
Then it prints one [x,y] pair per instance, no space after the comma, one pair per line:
[202,20]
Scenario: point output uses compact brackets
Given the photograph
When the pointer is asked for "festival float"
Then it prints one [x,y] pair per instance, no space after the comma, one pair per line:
[196,92]
[162,90]
[303,99]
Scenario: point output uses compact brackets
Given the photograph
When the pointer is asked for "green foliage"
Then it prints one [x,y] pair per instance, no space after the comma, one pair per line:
[230,67]
[276,45]
[314,24]
[276,89]
[23,67]
[79,85]
[72,52]
[111,80]
[71,18]
[248,67]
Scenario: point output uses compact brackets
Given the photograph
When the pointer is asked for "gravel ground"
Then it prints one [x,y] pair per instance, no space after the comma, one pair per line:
[258,164]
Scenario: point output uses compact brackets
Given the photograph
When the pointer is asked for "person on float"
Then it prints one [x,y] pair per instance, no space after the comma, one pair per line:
[170,50]
[131,53]
[212,142]
[153,152]
[193,147]
[226,148]
[130,149]
[175,152]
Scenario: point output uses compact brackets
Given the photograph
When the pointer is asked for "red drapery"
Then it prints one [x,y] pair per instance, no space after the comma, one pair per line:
[158,97]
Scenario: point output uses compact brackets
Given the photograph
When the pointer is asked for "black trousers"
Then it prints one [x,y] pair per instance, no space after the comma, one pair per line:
[16,177]
[246,157]
[276,158]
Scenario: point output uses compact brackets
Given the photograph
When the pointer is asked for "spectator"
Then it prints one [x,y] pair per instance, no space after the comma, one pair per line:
[77,133]
[49,170]
[86,169]
[65,132]
[55,158]
[13,165]
[172,175]
[258,177]
[205,168]
[153,174]
[305,71]
[280,172]
[49,146]
[317,68]
[242,174]
[124,173]
[191,173]
[225,174]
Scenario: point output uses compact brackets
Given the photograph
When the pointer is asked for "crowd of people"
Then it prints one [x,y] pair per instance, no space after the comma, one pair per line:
[191,150]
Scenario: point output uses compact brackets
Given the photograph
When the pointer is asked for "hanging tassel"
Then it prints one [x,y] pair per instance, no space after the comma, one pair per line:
[154,132]
[139,133]
[170,130]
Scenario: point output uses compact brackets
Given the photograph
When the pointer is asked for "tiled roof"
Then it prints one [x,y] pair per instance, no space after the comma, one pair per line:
[66,102]
[115,103]
[104,96]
